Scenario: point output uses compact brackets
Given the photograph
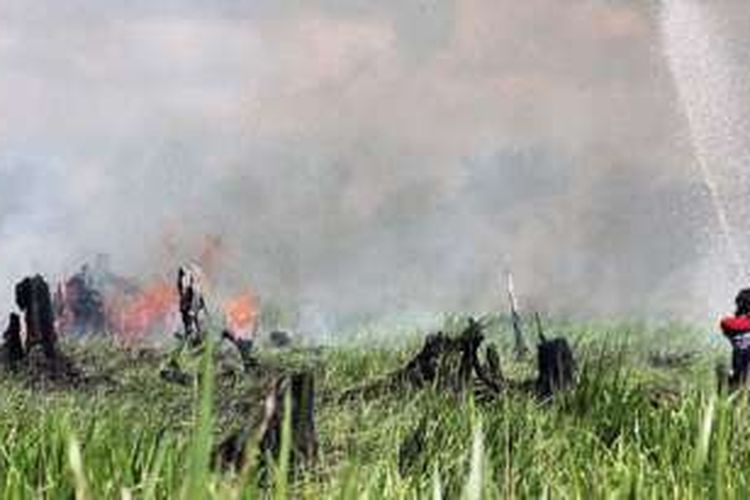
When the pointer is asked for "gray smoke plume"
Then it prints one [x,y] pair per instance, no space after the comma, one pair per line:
[358,158]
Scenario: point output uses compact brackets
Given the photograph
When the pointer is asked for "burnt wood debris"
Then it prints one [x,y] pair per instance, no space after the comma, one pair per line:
[520,349]
[280,339]
[82,303]
[453,364]
[245,347]
[34,300]
[555,363]
[13,345]
[174,373]
[449,363]
[30,339]
[299,390]
[556,367]
[192,305]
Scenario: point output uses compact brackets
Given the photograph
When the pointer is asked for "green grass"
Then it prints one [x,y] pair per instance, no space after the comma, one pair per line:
[629,429]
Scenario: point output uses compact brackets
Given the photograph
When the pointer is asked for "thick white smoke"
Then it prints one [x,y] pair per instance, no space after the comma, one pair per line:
[357,158]
[712,83]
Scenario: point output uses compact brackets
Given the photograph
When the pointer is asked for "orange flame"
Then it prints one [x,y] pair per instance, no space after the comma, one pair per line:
[242,314]
[134,317]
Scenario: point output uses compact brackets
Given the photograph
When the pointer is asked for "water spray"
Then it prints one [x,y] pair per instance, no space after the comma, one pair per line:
[705,85]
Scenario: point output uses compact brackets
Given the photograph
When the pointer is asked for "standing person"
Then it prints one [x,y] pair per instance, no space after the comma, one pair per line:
[737,330]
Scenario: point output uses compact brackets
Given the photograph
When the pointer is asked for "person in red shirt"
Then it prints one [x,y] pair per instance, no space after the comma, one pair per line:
[737,330]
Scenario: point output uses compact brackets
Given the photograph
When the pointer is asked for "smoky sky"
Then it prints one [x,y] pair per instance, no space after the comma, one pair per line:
[356,158]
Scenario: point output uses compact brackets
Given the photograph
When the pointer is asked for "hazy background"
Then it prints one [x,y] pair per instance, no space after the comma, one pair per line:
[359,157]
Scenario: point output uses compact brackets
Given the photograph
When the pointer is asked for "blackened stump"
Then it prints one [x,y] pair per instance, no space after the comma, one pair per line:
[244,347]
[556,366]
[12,341]
[230,453]
[493,363]
[423,368]
[280,339]
[175,374]
[300,389]
[192,304]
[470,341]
[446,363]
[450,362]
[84,304]
[33,298]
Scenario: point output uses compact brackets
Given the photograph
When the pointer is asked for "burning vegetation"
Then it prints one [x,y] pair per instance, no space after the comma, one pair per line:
[243,314]
[95,301]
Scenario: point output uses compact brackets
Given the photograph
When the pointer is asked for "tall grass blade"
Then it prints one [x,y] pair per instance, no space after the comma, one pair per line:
[474,484]
[200,452]
[704,434]
[75,461]
[281,479]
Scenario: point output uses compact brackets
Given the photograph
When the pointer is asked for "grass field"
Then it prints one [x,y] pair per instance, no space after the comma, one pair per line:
[635,426]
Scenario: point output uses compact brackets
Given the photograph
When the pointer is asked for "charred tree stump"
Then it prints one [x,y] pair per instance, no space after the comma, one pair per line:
[81,304]
[192,304]
[452,363]
[280,339]
[521,351]
[423,368]
[13,345]
[446,363]
[244,347]
[174,374]
[469,341]
[449,363]
[300,391]
[556,366]
[493,364]
[34,299]
[230,454]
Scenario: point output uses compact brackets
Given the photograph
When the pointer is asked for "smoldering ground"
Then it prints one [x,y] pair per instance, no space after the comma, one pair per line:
[359,158]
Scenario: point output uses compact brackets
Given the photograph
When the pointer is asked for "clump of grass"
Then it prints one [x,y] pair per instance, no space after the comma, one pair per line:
[612,436]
